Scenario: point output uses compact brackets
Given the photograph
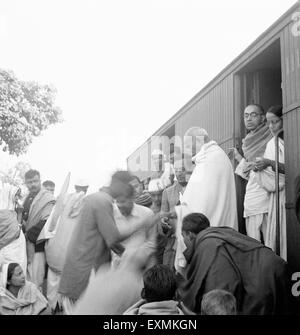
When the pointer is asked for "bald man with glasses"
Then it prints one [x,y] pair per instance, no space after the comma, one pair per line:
[256,201]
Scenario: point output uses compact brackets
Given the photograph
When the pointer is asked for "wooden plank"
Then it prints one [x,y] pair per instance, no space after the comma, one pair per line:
[293,171]
[287,67]
[292,162]
[297,66]
[297,143]
[283,72]
[291,52]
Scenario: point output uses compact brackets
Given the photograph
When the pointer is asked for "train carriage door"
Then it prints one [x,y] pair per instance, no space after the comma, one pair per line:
[261,80]
[258,81]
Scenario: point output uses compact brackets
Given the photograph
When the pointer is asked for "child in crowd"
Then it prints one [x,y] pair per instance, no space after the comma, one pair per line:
[218,302]
[158,294]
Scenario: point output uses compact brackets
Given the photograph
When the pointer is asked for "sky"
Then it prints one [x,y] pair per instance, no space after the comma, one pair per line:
[121,69]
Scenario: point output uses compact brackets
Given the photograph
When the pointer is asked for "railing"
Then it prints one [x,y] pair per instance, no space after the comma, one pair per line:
[277,192]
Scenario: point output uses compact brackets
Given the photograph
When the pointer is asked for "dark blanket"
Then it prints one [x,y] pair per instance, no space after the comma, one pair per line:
[226,259]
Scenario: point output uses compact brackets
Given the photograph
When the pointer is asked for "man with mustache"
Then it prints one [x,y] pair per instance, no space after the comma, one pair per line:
[37,208]
[256,203]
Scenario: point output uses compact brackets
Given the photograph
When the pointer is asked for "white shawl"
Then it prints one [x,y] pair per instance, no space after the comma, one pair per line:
[266,179]
[210,191]
[211,188]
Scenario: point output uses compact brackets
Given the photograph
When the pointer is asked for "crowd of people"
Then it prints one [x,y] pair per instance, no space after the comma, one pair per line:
[170,246]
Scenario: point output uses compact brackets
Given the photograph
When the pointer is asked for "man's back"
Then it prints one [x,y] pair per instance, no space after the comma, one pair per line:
[57,246]
[89,246]
[226,259]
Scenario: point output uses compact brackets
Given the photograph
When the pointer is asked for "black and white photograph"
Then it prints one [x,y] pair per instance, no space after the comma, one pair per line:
[149,161]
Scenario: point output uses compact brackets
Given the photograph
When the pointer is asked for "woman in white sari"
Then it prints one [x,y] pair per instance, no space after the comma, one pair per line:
[265,176]
[18,296]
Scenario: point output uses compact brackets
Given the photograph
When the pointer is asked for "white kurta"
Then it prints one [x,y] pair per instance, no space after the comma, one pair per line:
[256,203]
[256,197]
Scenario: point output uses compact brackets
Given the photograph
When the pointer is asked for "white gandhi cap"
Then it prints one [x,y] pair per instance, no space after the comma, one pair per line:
[82,182]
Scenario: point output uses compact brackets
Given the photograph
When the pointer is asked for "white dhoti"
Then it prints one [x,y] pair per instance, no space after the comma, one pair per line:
[270,240]
[36,269]
[68,305]
[52,288]
[257,225]
[256,204]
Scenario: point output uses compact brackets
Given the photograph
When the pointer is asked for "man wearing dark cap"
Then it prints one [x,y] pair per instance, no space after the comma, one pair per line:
[144,199]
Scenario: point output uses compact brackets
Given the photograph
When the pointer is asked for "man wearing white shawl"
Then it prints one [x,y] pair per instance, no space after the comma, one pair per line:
[37,208]
[256,202]
[211,187]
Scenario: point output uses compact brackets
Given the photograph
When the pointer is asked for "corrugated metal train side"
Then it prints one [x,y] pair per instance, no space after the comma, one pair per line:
[218,108]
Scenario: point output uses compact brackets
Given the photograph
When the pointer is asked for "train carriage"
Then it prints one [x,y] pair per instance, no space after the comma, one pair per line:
[268,73]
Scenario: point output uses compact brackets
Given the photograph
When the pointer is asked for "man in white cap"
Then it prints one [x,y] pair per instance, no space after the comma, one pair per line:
[81,185]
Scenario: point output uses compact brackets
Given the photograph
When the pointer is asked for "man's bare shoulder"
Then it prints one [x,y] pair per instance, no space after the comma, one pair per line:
[143,210]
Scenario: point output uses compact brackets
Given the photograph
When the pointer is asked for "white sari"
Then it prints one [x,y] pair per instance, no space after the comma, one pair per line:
[266,179]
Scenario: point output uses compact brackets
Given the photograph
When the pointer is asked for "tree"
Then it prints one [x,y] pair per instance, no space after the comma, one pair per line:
[26,109]
[14,175]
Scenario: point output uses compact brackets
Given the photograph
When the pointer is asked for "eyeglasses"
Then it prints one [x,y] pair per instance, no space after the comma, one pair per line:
[252,115]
